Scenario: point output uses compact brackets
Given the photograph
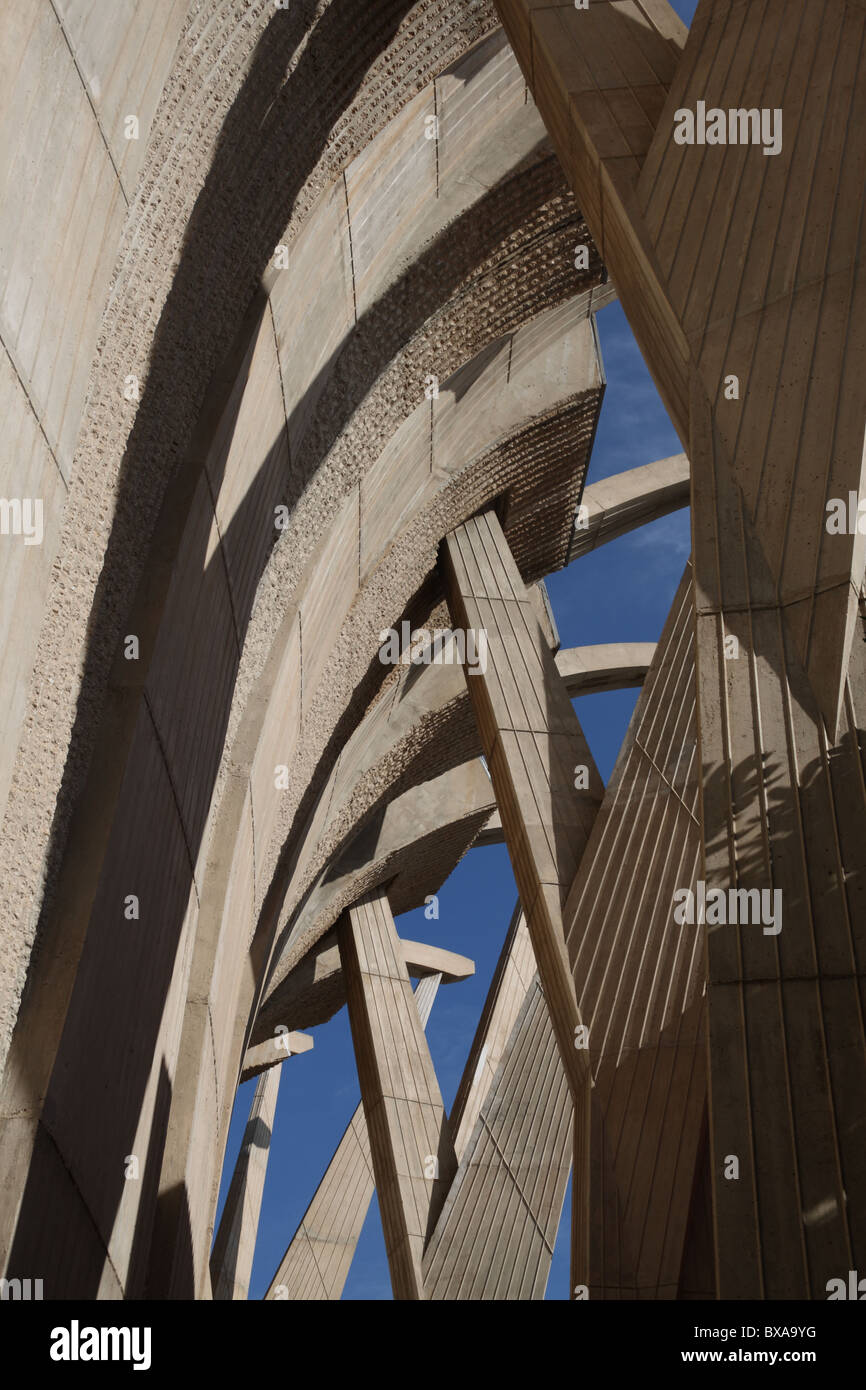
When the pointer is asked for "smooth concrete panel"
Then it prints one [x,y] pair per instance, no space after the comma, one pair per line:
[124,57]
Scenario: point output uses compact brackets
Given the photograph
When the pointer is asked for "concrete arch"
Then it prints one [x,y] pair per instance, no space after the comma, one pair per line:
[618,504]
[486,467]
[604,666]
[68,176]
[187,672]
[204,214]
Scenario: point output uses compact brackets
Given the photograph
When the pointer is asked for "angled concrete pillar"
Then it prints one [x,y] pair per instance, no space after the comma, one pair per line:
[412,1153]
[495,1237]
[317,1261]
[512,980]
[640,976]
[547,787]
[231,1259]
[513,1122]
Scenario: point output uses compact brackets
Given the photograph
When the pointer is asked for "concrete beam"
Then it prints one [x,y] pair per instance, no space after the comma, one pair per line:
[231,1259]
[320,1253]
[587,671]
[618,504]
[534,747]
[413,843]
[272,1053]
[605,666]
[495,1237]
[646,1026]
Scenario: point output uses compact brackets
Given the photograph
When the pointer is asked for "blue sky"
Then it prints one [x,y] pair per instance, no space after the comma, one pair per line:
[621,592]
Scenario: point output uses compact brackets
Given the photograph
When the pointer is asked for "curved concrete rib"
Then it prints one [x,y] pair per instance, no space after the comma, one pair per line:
[240,95]
[413,845]
[615,505]
[468,428]
[605,666]
[462,425]
[500,426]
[244,56]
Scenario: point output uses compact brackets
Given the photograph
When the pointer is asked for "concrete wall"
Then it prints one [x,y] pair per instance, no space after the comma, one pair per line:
[257,646]
[70,73]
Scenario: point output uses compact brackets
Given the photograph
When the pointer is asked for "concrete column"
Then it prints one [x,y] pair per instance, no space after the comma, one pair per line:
[317,1262]
[412,1153]
[231,1260]
[547,787]
[495,1237]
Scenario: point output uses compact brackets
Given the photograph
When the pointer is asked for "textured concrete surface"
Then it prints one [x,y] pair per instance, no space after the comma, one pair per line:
[226,606]
[67,177]
[202,209]
[744,322]
[258,363]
